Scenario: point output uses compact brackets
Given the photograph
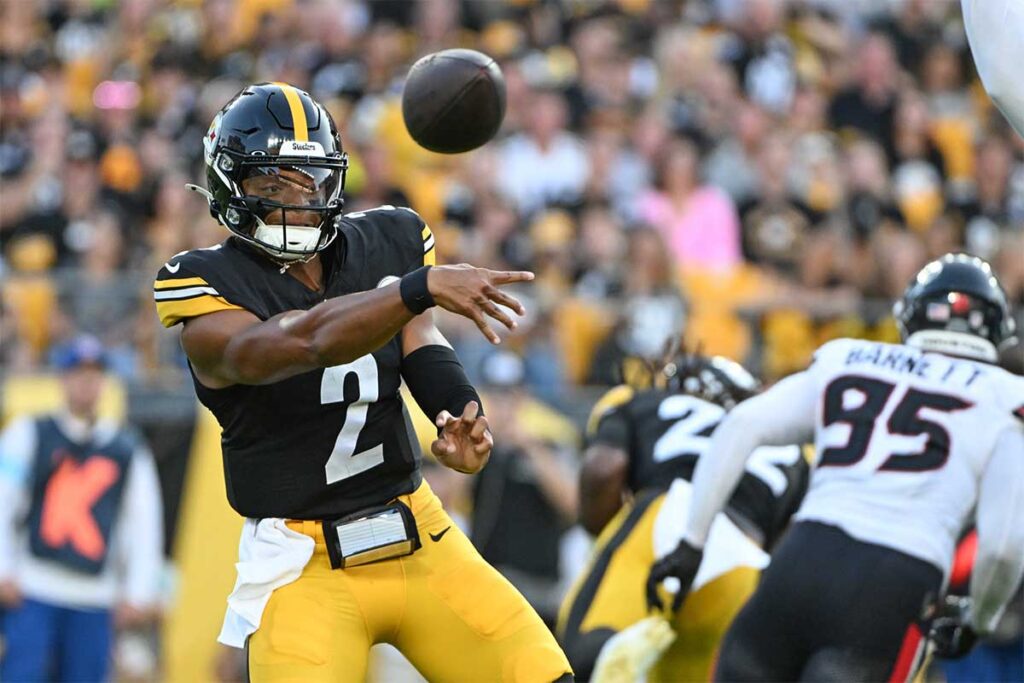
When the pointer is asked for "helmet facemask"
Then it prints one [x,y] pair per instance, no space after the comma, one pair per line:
[286,206]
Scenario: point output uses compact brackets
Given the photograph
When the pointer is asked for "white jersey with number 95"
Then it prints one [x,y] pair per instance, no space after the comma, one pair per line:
[903,438]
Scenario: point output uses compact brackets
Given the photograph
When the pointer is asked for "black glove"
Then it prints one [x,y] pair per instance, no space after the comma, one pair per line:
[682,563]
[950,628]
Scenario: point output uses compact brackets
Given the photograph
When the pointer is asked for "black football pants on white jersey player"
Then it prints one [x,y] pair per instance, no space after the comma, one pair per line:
[829,608]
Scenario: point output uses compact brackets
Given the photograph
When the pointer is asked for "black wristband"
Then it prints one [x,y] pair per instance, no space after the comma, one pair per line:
[415,293]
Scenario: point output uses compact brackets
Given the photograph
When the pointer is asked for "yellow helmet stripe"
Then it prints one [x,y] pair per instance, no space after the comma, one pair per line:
[298,113]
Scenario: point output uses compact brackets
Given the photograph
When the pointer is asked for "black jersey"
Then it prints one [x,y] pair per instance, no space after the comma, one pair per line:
[326,442]
[664,433]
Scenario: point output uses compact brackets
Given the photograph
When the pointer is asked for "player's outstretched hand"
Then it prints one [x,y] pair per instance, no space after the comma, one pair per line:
[682,564]
[465,442]
[473,292]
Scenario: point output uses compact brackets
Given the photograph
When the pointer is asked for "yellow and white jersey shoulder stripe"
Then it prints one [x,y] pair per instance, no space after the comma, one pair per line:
[187,297]
[429,253]
[612,399]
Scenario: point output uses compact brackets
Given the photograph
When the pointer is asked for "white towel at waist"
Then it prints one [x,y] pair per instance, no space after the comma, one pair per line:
[727,547]
[270,555]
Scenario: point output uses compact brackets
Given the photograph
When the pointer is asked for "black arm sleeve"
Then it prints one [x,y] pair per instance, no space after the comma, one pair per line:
[437,381]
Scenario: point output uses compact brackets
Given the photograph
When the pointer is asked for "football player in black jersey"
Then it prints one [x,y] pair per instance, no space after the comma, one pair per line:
[299,329]
[643,448]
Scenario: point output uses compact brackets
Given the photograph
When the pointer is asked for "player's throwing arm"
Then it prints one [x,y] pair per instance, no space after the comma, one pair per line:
[234,347]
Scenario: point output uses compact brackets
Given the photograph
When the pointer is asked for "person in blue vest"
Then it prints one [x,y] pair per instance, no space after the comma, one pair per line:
[81,535]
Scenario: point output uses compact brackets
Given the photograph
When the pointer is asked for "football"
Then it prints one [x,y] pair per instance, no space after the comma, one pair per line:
[454,100]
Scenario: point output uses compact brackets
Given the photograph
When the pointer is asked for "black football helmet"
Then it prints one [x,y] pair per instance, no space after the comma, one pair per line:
[955,305]
[715,379]
[276,133]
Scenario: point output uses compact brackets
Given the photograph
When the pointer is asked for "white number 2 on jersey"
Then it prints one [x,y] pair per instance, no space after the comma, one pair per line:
[344,461]
[692,416]
[765,461]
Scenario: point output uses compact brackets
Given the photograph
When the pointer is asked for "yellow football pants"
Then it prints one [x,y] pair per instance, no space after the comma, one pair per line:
[610,595]
[449,612]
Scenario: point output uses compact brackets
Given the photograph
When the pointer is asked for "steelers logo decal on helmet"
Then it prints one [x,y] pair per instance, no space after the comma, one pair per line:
[210,141]
[276,170]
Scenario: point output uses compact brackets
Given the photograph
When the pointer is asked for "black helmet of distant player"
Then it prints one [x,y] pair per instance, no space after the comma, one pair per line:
[274,130]
[955,305]
[715,379]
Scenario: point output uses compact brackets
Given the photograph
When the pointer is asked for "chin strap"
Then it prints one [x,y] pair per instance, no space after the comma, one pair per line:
[285,265]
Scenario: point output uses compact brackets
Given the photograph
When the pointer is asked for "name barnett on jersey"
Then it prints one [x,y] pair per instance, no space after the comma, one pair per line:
[910,361]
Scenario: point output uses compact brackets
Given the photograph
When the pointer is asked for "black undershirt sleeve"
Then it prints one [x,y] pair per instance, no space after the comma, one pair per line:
[437,381]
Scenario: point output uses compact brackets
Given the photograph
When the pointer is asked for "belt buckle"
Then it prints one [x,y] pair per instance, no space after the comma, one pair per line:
[371,535]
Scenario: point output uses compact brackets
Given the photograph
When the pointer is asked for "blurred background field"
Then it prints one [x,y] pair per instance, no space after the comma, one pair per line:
[758,176]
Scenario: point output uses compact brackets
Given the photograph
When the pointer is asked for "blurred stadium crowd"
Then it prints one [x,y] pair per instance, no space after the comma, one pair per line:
[755,172]
[756,175]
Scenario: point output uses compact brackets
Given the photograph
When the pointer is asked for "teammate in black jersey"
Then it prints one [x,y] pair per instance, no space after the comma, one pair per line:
[299,329]
[643,447]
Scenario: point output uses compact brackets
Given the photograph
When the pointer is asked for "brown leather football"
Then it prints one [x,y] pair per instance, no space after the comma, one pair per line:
[454,100]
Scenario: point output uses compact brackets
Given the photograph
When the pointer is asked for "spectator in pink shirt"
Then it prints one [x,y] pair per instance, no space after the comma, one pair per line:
[699,222]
